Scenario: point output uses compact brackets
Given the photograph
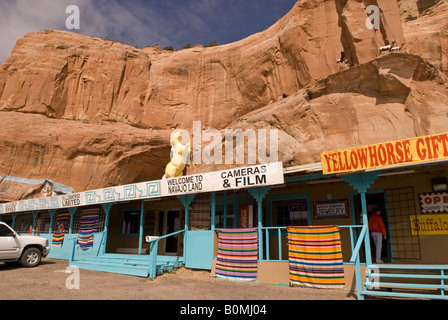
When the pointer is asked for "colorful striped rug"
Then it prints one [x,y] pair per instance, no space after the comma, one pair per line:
[88,226]
[61,228]
[237,257]
[315,257]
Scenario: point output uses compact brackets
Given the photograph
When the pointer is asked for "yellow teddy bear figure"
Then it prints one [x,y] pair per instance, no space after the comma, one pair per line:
[180,157]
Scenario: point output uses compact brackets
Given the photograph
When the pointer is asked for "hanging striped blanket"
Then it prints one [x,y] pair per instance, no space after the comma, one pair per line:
[61,228]
[87,228]
[237,254]
[315,257]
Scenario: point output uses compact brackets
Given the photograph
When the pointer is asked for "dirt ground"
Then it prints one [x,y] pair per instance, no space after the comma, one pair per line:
[49,282]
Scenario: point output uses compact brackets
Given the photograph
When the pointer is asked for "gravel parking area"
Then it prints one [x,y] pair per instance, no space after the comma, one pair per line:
[49,281]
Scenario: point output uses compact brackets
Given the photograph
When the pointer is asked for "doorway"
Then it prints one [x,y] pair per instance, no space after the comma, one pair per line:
[170,222]
[374,200]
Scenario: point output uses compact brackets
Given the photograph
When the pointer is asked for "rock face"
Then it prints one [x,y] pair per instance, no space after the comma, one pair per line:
[68,76]
[84,156]
[392,97]
[427,36]
[77,110]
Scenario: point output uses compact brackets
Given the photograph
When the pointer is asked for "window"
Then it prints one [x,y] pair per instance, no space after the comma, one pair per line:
[101,220]
[200,212]
[401,208]
[130,223]
[290,212]
[24,225]
[45,224]
[225,215]
[76,221]
[6,219]
[5,231]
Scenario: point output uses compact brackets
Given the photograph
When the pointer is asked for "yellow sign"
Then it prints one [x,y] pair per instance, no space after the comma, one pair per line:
[414,150]
[429,224]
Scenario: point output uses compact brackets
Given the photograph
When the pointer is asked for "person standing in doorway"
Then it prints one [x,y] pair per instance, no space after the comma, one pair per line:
[378,231]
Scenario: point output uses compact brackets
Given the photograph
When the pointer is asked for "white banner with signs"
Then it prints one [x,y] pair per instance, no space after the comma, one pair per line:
[238,178]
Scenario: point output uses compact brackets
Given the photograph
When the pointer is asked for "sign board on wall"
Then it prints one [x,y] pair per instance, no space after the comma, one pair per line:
[246,216]
[238,178]
[434,202]
[232,179]
[331,209]
[414,150]
[429,224]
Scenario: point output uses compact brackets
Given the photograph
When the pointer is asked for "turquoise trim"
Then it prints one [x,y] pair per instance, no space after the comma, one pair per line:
[377,279]
[52,214]
[14,216]
[106,208]
[362,182]
[142,217]
[72,214]
[213,211]
[186,201]
[258,193]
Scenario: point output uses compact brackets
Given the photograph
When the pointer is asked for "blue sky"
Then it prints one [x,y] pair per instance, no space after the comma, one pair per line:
[143,22]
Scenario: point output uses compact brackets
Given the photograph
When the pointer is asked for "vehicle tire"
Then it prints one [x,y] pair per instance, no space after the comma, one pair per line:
[31,257]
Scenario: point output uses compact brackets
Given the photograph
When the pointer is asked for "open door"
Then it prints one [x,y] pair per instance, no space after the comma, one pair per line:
[374,200]
[169,222]
[172,222]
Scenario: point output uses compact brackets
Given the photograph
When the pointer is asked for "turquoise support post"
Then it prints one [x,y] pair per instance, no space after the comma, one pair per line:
[365,221]
[258,193]
[362,182]
[142,217]
[213,211]
[72,213]
[153,259]
[52,213]
[14,216]
[186,201]
[35,214]
[106,208]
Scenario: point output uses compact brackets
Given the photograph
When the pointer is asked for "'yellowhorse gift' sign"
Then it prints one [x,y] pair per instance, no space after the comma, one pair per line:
[414,150]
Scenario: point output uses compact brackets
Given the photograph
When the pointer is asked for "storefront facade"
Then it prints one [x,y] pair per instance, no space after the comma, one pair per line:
[412,197]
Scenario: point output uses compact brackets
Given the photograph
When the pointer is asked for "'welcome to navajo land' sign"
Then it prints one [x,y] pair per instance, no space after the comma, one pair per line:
[415,150]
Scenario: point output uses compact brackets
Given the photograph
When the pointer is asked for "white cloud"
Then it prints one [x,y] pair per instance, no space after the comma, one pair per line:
[136,22]
[99,18]
[20,17]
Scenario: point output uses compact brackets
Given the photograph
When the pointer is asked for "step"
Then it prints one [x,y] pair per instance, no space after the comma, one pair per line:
[407,281]
[137,267]
[120,261]
[404,295]
[136,262]
[113,268]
